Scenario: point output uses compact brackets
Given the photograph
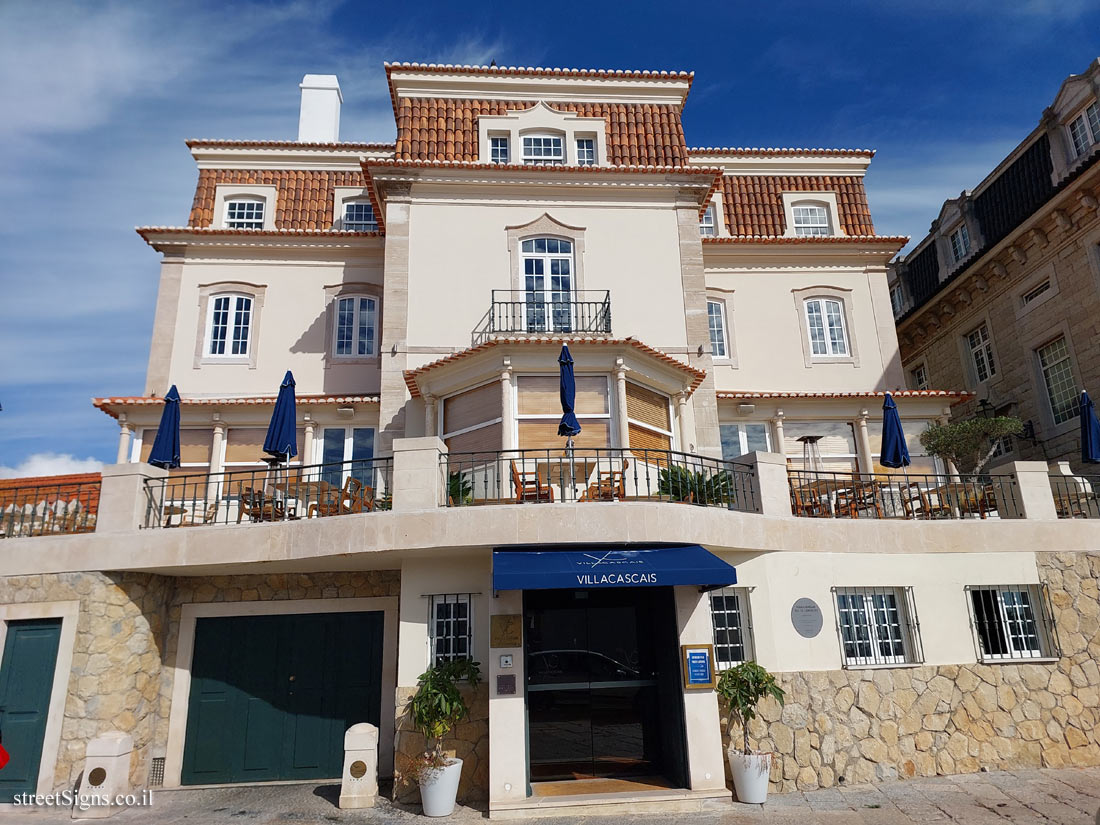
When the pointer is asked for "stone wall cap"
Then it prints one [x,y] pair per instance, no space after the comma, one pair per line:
[761,457]
[430,442]
[133,469]
[361,736]
[111,743]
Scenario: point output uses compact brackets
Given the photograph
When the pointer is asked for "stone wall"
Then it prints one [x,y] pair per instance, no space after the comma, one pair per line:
[469,741]
[850,726]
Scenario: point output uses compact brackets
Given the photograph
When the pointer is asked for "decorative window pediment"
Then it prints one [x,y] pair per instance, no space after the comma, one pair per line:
[583,139]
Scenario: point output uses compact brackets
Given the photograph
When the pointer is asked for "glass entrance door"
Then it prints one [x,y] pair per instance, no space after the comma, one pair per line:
[595,660]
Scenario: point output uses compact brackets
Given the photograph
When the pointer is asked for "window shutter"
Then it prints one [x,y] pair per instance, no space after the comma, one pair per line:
[467,409]
[643,439]
[483,438]
[647,406]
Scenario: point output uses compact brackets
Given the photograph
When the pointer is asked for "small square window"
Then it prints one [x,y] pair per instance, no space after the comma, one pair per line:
[586,152]
[708,224]
[359,217]
[1012,622]
[498,149]
[244,214]
[1035,292]
[451,628]
[877,626]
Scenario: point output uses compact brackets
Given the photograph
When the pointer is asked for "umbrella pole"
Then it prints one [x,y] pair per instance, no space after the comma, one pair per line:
[572,467]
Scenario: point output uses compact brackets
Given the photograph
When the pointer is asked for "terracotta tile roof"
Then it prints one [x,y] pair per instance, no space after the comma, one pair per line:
[753,204]
[958,395]
[889,240]
[774,151]
[554,341]
[287,144]
[304,196]
[642,134]
[113,405]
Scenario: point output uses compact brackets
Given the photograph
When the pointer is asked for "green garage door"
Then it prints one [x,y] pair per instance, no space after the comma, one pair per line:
[271,696]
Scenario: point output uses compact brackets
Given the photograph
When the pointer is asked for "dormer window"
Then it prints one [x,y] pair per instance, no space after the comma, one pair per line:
[1084,130]
[708,224]
[498,149]
[960,243]
[810,219]
[244,214]
[359,217]
[586,152]
[546,149]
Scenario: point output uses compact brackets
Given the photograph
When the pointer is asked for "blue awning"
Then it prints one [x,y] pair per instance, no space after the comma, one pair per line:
[635,566]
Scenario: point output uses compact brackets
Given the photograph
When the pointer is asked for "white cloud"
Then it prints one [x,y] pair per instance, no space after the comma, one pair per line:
[50,464]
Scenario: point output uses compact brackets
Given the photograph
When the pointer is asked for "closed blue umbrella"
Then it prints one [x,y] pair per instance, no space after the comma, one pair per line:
[166,446]
[894,452]
[282,432]
[569,425]
[1090,431]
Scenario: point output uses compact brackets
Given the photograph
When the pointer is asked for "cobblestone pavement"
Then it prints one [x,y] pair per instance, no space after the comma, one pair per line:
[1036,797]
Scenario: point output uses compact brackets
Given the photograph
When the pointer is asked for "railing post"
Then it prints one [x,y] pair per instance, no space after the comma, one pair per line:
[123,499]
[770,485]
[418,476]
[1031,491]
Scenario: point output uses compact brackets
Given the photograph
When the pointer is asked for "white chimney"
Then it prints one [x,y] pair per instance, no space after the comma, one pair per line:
[319,121]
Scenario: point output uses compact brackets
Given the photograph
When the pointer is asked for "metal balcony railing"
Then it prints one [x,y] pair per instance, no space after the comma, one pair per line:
[1076,496]
[822,494]
[516,311]
[275,494]
[602,474]
[48,509]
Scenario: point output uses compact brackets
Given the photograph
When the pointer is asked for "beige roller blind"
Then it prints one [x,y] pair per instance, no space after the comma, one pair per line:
[471,407]
[647,406]
[483,438]
[643,439]
[245,445]
[837,437]
[194,445]
[911,427]
[542,434]
[539,395]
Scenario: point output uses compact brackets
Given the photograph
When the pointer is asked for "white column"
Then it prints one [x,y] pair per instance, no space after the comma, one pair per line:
[430,426]
[777,427]
[507,414]
[125,433]
[863,444]
[681,414]
[310,427]
[620,403]
[216,444]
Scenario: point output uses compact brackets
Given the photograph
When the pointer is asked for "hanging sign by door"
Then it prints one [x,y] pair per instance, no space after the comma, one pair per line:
[698,663]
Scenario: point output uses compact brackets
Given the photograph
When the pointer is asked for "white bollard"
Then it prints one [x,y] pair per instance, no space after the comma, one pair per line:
[106,776]
[359,782]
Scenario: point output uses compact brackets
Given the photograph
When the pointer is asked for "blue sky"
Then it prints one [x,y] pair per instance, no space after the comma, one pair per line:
[98,98]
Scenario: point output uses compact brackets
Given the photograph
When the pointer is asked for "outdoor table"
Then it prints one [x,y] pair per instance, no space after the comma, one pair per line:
[825,490]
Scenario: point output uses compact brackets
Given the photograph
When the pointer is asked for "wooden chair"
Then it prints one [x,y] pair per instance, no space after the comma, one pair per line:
[529,487]
[865,495]
[257,506]
[208,517]
[609,485]
[806,505]
[354,497]
[327,504]
[918,504]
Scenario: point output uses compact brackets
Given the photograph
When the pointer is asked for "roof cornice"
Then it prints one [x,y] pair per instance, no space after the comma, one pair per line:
[227,154]
[848,162]
[171,238]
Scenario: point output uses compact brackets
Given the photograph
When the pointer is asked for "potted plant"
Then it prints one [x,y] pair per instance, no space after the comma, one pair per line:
[437,706]
[743,688]
[682,484]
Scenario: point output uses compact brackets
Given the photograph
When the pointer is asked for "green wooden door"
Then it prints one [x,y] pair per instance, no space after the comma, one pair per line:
[26,680]
[271,696]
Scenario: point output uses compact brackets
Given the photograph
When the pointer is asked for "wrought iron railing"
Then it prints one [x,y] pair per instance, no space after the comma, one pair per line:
[275,494]
[47,509]
[1076,496]
[589,474]
[823,494]
[572,312]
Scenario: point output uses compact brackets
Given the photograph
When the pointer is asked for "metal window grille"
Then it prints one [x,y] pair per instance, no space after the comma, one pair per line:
[498,149]
[451,627]
[156,772]
[586,152]
[877,626]
[717,329]
[810,220]
[1012,621]
[359,217]
[245,215]
[731,622]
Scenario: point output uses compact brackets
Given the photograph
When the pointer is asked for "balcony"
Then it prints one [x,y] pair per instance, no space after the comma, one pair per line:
[1076,496]
[821,494]
[600,474]
[518,312]
[275,494]
[62,508]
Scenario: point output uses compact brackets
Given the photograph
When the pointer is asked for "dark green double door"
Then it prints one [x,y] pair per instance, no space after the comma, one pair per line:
[26,681]
[271,696]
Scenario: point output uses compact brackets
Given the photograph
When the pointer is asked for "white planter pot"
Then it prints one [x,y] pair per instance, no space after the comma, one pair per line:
[750,775]
[439,787]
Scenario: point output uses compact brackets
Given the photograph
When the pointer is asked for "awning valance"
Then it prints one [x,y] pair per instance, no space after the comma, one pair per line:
[634,566]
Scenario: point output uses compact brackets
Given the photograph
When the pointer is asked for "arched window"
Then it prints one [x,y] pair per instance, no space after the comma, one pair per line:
[547,267]
[825,325]
[244,213]
[229,325]
[356,327]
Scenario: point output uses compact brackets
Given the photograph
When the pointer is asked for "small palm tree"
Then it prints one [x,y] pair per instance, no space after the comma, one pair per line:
[744,687]
[680,483]
[459,489]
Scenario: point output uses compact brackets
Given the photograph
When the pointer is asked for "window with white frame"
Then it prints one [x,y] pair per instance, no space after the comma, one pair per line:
[741,439]
[811,219]
[960,243]
[244,213]
[825,324]
[548,284]
[708,224]
[498,149]
[356,327]
[586,151]
[716,320]
[1084,130]
[731,623]
[897,298]
[450,627]
[348,452]
[1058,379]
[548,149]
[877,626]
[229,325]
[1011,622]
[919,376]
[359,217]
[1035,292]
[981,353]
